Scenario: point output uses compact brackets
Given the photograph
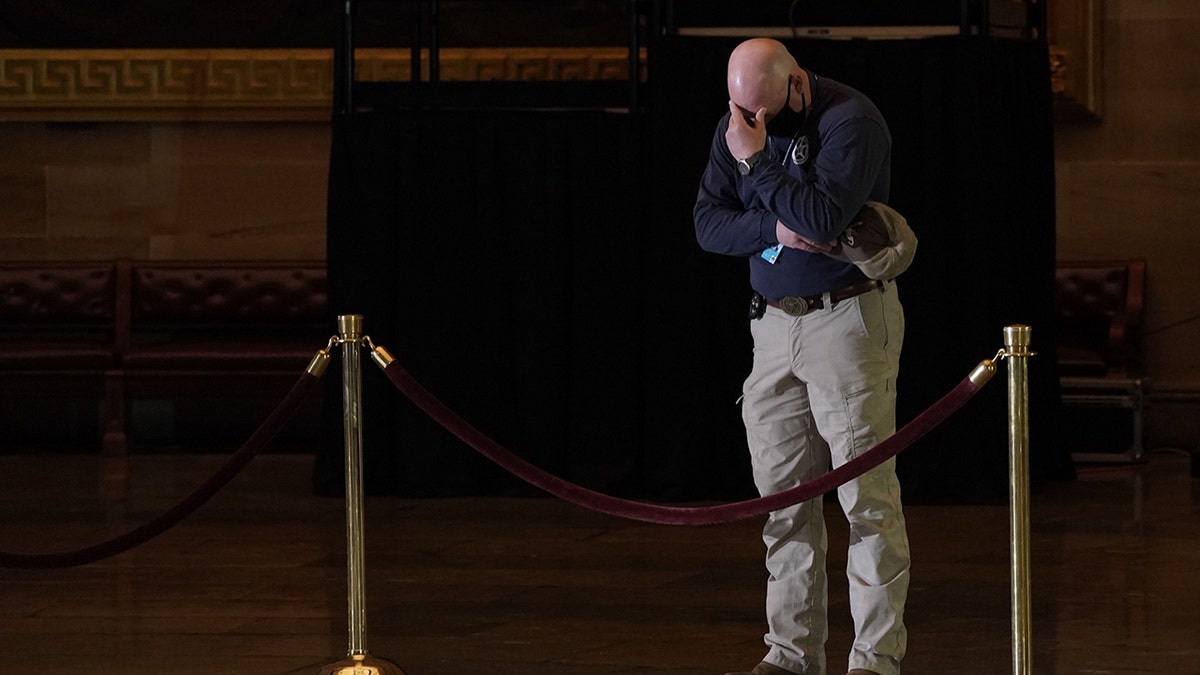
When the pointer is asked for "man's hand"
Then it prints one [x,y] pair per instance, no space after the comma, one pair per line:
[743,138]
[792,240]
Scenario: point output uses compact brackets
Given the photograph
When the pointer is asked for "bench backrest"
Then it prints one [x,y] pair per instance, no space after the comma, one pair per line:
[260,293]
[57,293]
[1099,307]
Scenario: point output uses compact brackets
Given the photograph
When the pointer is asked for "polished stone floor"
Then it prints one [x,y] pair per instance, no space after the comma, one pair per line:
[255,581]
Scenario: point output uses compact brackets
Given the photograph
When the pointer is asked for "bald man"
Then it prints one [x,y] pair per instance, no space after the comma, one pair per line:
[792,162]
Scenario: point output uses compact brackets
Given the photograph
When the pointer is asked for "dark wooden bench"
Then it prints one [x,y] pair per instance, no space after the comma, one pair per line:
[58,335]
[223,317]
[59,316]
[129,323]
[1100,310]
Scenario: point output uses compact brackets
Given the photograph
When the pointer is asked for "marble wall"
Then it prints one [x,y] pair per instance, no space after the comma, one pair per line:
[163,190]
[1129,186]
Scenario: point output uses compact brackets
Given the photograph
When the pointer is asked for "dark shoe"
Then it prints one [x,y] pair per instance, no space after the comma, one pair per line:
[860,671]
[764,668]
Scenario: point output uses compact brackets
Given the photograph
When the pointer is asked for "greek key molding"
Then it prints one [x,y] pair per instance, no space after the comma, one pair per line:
[243,84]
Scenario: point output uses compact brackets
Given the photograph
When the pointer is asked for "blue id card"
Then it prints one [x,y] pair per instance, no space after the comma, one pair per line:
[771,254]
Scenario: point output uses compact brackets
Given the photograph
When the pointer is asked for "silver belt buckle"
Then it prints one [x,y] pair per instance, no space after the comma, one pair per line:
[794,305]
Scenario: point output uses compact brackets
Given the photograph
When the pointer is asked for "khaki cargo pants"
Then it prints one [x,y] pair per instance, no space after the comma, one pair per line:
[823,391]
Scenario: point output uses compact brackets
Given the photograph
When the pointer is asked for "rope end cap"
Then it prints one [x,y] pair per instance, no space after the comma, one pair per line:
[382,357]
[320,361]
[982,373]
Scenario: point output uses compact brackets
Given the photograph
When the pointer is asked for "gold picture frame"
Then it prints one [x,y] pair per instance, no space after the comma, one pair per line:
[105,85]
[1073,30]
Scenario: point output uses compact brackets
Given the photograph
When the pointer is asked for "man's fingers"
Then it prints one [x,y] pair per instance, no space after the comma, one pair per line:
[816,246]
[735,114]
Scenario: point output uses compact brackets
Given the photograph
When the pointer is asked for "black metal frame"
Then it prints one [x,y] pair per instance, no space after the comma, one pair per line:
[433,93]
[648,21]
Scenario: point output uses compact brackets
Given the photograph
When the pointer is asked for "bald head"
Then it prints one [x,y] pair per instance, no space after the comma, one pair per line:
[758,75]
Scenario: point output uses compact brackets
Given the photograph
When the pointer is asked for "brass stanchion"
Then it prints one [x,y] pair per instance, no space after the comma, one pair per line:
[357,661]
[1016,343]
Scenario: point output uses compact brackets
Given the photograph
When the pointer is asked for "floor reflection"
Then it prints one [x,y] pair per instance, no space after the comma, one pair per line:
[255,581]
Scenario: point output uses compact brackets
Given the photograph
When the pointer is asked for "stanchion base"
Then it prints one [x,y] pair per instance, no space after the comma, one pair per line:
[361,664]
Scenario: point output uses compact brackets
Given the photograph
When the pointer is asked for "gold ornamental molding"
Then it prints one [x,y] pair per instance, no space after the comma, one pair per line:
[250,84]
[1074,29]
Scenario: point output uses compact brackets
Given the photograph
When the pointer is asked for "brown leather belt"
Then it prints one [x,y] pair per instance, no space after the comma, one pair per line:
[799,306]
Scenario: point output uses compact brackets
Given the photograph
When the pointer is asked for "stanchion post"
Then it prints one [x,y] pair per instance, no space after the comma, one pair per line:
[357,660]
[1016,342]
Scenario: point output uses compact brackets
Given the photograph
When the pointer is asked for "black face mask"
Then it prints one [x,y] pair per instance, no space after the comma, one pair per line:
[787,122]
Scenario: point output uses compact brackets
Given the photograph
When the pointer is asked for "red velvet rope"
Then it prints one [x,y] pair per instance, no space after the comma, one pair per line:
[677,515]
[164,521]
[653,513]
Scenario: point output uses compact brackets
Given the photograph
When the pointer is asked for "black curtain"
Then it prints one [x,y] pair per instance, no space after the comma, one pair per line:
[497,255]
[538,271]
